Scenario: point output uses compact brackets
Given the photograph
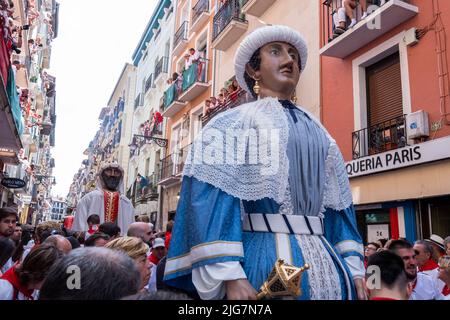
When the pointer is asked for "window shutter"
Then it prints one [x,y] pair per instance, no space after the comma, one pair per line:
[384,96]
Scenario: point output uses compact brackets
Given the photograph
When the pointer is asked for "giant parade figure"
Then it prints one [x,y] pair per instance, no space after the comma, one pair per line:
[265,181]
[107,201]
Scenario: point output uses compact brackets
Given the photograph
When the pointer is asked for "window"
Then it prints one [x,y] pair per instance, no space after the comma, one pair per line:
[384,90]
[147,166]
[385,121]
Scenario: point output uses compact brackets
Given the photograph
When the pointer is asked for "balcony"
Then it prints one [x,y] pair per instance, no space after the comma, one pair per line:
[172,167]
[149,83]
[379,138]
[148,193]
[200,14]
[172,105]
[180,39]
[195,80]
[229,25]
[380,21]
[161,69]
[256,7]
[139,101]
[241,98]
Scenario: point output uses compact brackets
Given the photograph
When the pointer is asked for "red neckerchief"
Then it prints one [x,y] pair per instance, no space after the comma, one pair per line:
[13,279]
[111,202]
[446,290]
[429,265]
[381,298]
[153,259]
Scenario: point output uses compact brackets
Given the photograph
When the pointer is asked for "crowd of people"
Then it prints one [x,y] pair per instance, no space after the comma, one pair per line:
[36,263]
[418,271]
[34,260]
[227,95]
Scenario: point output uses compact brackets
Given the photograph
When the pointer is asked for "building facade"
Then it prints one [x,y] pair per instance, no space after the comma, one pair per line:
[58,211]
[385,99]
[215,29]
[152,60]
[28,108]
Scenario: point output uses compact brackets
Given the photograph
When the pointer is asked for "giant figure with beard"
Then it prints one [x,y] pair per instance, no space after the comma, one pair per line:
[107,200]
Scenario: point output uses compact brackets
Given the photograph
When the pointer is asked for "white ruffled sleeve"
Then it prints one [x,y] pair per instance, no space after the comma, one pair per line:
[209,279]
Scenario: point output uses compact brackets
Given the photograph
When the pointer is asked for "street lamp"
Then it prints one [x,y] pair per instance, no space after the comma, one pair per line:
[138,140]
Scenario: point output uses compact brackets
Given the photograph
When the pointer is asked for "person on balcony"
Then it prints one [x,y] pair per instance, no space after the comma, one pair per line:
[178,80]
[143,183]
[236,216]
[207,106]
[196,57]
[107,200]
[350,6]
[233,90]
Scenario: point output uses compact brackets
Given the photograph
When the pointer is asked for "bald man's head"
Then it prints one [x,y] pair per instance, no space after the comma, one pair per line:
[59,242]
[140,230]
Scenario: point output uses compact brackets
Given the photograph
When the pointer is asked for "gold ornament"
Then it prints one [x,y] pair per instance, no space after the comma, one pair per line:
[294,98]
[284,280]
[256,88]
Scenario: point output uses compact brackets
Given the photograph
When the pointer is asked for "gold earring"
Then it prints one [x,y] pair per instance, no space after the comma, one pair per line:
[294,98]
[256,88]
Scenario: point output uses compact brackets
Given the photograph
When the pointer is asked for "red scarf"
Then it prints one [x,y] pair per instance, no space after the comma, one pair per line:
[153,259]
[13,279]
[111,202]
[446,290]
[429,265]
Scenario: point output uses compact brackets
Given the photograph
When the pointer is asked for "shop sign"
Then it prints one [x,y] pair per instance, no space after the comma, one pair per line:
[376,232]
[13,183]
[399,158]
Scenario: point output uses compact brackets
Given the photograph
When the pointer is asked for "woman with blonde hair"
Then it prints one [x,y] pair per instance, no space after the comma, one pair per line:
[137,250]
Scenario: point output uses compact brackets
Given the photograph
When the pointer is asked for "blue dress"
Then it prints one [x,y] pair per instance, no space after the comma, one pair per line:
[209,219]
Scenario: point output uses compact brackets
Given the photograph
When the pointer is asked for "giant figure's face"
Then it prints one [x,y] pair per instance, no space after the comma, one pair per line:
[111,178]
[279,70]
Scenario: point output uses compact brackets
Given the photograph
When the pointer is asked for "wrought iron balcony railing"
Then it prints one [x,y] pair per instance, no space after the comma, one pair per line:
[241,98]
[181,34]
[162,66]
[173,165]
[139,101]
[201,7]
[229,11]
[150,82]
[379,138]
[330,10]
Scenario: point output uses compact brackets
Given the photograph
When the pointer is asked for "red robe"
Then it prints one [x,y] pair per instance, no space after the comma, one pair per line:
[111,202]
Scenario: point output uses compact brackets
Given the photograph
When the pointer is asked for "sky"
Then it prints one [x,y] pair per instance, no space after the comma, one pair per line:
[95,39]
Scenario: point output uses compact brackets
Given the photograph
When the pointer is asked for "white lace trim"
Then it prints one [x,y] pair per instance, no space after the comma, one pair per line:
[266,124]
[324,283]
[206,159]
[337,193]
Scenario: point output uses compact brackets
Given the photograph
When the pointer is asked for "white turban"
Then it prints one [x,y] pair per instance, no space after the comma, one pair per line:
[259,38]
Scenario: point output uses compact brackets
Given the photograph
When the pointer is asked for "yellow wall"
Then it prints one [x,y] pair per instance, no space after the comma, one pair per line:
[420,181]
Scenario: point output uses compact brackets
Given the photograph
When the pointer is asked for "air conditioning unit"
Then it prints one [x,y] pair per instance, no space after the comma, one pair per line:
[417,125]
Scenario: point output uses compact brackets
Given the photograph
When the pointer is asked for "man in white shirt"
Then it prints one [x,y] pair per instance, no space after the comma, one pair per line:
[8,220]
[425,262]
[423,286]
